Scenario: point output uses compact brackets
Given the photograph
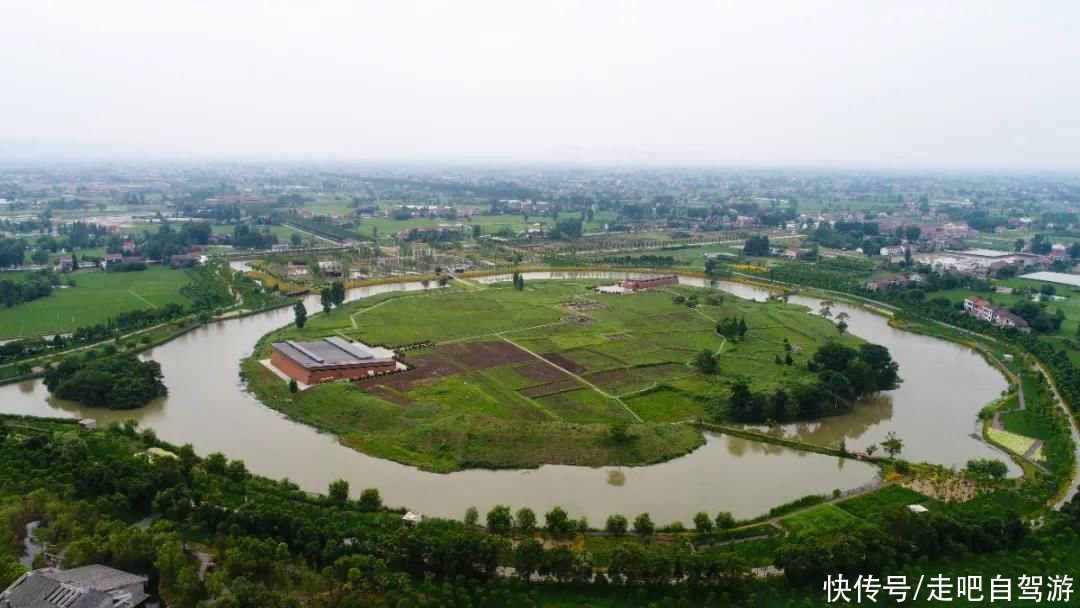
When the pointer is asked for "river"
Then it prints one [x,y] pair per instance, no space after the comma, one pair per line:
[208,407]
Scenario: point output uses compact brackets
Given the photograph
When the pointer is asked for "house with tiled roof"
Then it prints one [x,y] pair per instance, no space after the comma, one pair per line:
[93,586]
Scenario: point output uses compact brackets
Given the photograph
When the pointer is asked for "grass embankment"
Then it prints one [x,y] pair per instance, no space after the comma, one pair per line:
[95,297]
[523,378]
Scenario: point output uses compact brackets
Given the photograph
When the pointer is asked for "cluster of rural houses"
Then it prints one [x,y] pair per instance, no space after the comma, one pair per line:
[996,315]
[129,254]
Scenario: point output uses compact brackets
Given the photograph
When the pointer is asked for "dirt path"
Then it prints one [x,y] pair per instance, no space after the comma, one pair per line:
[312,234]
[578,378]
[859,491]
[148,302]
[498,334]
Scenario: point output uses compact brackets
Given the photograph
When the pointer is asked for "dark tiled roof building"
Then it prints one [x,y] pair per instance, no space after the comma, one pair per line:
[94,586]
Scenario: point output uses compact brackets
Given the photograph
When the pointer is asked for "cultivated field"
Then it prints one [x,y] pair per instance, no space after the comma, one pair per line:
[95,297]
[514,375]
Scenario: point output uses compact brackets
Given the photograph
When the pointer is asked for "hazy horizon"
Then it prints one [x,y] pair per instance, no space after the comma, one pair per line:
[958,86]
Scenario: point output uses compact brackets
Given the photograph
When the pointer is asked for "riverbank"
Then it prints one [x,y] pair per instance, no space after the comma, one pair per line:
[727,473]
[993,351]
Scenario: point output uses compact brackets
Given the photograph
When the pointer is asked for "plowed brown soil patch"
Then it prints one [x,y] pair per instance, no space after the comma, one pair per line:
[540,372]
[482,355]
[602,378]
[551,388]
[564,363]
[424,367]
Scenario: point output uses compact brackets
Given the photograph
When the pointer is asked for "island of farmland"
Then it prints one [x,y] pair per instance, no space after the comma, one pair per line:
[557,373]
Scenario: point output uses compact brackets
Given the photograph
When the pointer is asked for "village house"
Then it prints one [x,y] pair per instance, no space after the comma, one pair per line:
[330,268]
[66,264]
[329,359]
[181,260]
[980,309]
[112,260]
[93,586]
[996,315]
[1004,318]
[890,282]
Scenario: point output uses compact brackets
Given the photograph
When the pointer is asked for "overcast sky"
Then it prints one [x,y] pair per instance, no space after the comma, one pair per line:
[876,83]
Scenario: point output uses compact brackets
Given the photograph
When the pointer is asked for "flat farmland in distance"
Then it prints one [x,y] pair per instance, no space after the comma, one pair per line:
[95,297]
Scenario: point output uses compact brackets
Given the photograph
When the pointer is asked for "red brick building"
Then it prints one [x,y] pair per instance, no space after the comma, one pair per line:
[636,284]
[326,360]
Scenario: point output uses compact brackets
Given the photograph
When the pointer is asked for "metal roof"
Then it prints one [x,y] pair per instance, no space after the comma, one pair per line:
[330,352]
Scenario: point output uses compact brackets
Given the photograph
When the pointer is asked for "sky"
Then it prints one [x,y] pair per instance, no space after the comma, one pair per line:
[912,84]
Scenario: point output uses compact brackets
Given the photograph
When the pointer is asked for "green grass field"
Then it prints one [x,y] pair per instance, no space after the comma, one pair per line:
[96,296]
[824,519]
[870,506]
[515,374]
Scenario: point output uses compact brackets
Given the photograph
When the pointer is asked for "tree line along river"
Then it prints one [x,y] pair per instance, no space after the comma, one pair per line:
[933,411]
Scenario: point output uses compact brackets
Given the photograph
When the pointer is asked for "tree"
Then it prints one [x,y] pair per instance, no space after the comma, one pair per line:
[757,245]
[618,433]
[870,449]
[986,468]
[338,493]
[703,523]
[892,445]
[293,386]
[117,382]
[528,558]
[616,524]
[841,327]
[300,314]
[826,309]
[526,520]
[472,517]
[557,523]
[788,360]
[499,520]
[643,525]
[326,299]
[724,521]
[705,363]
[369,500]
[337,293]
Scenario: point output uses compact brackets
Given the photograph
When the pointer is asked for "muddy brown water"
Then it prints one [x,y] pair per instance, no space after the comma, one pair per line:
[933,411]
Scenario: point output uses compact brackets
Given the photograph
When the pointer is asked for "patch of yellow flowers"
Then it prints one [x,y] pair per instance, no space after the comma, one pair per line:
[751,268]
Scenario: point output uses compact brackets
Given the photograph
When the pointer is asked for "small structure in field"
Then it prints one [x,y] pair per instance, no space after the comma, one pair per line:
[412,518]
[329,359]
[616,290]
[88,424]
[639,284]
[918,509]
